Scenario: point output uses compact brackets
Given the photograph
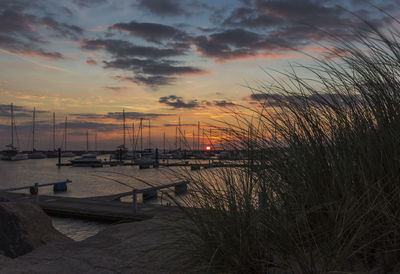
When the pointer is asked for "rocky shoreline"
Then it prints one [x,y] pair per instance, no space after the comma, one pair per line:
[34,246]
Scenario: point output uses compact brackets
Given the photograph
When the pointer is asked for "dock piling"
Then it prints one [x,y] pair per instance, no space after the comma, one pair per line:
[59,157]
[134,199]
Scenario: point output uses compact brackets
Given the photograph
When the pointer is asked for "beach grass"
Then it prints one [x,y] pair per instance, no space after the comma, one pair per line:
[320,188]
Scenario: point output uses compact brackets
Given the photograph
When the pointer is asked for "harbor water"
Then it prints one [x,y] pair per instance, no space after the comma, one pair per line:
[86,182]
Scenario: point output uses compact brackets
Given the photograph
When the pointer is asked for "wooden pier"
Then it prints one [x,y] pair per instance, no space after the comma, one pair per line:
[107,208]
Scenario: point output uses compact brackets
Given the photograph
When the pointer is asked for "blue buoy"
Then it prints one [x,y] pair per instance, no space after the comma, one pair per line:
[60,187]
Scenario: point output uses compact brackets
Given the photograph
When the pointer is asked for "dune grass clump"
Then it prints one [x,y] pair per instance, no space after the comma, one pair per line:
[319,189]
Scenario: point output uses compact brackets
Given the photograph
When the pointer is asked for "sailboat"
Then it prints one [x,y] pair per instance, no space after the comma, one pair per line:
[147,156]
[66,154]
[121,153]
[12,154]
[35,154]
[133,154]
[54,153]
[89,159]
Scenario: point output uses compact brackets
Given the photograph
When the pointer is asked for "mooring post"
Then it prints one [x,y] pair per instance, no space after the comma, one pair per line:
[59,157]
[134,198]
[156,161]
[36,187]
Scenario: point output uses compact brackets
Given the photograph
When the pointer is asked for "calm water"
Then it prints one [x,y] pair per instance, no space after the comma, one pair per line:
[86,182]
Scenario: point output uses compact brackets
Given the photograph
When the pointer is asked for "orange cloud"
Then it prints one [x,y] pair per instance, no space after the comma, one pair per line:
[91,61]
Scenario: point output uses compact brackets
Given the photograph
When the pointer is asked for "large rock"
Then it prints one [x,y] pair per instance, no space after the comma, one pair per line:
[23,227]
[140,247]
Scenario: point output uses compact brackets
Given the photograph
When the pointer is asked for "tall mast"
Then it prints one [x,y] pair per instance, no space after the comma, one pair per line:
[164,141]
[65,134]
[54,131]
[87,140]
[202,147]
[133,137]
[198,135]
[33,129]
[210,140]
[176,138]
[141,134]
[149,137]
[95,141]
[193,140]
[180,134]
[123,118]
[12,126]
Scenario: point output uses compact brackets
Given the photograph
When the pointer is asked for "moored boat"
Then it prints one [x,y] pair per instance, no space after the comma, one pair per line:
[36,155]
[12,153]
[87,160]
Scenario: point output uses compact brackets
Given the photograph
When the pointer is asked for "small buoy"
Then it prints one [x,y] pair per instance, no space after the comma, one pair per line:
[60,187]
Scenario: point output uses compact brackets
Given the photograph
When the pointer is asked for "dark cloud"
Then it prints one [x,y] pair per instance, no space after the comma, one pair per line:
[177,102]
[62,29]
[88,125]
[182,125]
[151,31]
[135,115]
[19,111]
[149,68]
[235,43]
[223,103]
[125,49]
[317,100]
[118,89]
[89,3]
[218,103]
[21,32]
[283,14]
[118,115]
[252,18]
[283,25]
[162,7]
[86,115]
[153,81]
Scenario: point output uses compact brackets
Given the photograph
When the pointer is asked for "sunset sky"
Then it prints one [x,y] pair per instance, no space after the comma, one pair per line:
[157,59]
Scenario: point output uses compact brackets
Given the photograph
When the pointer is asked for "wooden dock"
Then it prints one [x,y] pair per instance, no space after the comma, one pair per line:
[107,208]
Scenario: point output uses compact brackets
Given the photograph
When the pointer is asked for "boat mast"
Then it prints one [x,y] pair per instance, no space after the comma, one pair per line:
[65,134]
[180,134]
[12,126]
[176,138]
[149,138]
[198,135]
[202,147]
[33,129]
[164,141]
[210,140]
[133,137]
[141,134]
[95,141]
[193,140]
[123,118]
[54,131]
[87,140]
